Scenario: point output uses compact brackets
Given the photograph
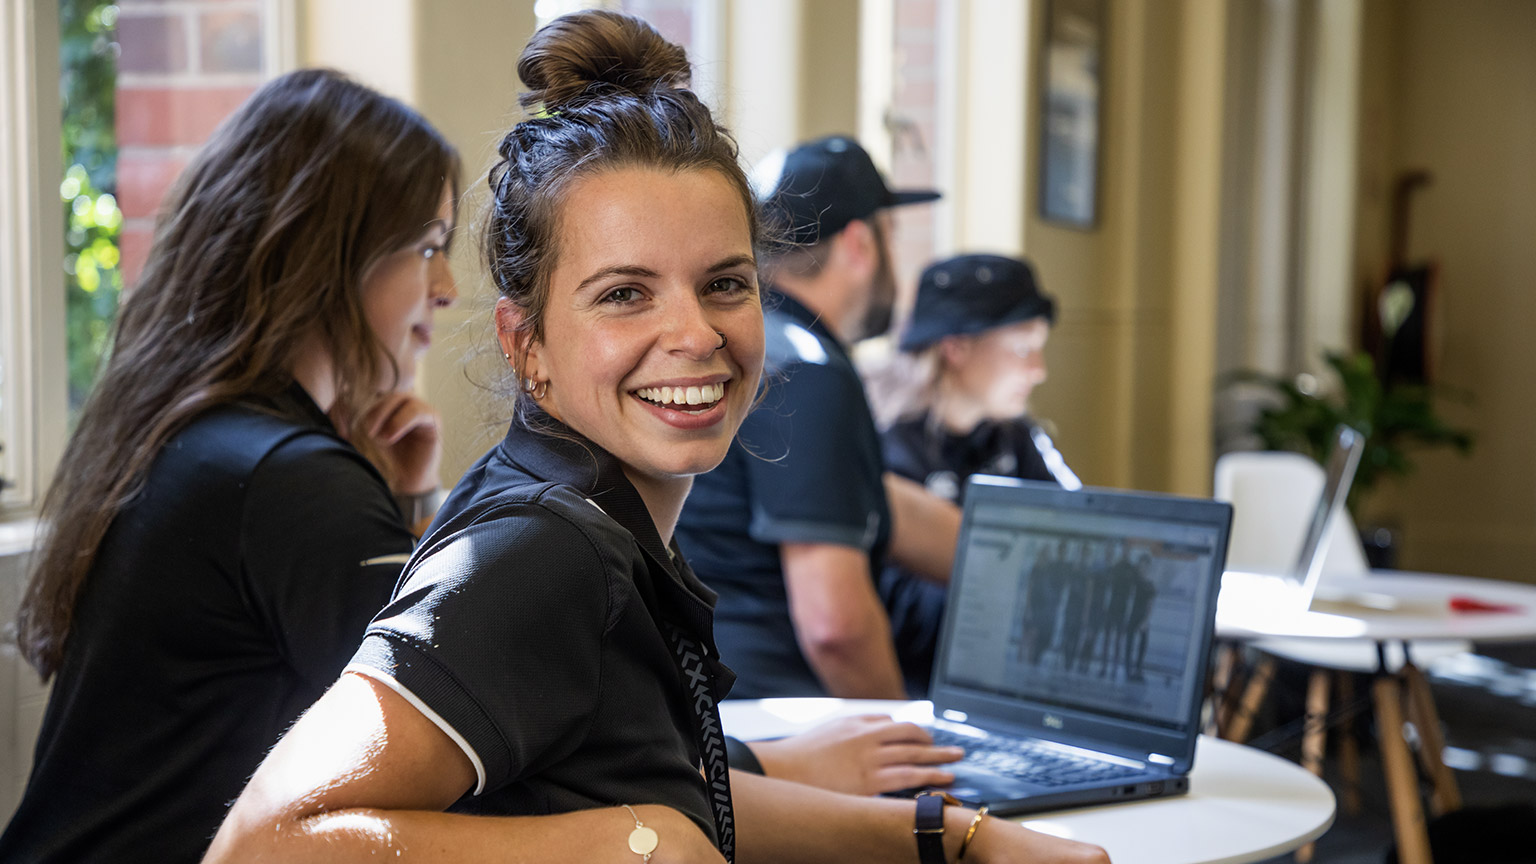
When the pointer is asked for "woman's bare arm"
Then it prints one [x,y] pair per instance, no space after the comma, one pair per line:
[364,776]
[924,528]
[781,821]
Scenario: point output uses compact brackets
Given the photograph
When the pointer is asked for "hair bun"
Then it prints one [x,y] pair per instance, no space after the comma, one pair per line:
[581,55]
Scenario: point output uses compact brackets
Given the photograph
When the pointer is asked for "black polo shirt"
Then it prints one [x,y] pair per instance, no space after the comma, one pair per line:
[918,449]
[529,628]
[805,468]
[224,599]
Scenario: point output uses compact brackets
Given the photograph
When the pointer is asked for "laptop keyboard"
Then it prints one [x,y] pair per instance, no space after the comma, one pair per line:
[1030,761]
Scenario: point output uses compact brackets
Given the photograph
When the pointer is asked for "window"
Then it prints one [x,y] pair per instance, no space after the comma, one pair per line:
[92,220]
[906,73]
[131,91]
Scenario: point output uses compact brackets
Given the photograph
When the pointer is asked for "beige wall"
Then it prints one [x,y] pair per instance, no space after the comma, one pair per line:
[1456,84]
[829,83]
[1328,254]
[1133,352]
[791,72]
[466,56]
[455,61]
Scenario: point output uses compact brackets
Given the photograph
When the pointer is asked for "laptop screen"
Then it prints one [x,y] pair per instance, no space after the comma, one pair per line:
[1103,610]
[1343,459]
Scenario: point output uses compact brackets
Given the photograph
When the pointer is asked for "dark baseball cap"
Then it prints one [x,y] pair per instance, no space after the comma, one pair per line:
[815,189]
[972,293]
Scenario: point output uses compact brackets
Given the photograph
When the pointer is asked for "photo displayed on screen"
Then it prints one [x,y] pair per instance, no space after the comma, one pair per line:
[1100,614]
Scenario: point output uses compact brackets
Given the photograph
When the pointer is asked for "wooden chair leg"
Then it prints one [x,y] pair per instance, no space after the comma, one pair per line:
[1402,781]
[1349,751]
[1314,739]
[1253,695]
[1421,709]
[1223,678]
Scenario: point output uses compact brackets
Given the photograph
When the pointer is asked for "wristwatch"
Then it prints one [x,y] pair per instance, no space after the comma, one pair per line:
[414,507]
[929,826]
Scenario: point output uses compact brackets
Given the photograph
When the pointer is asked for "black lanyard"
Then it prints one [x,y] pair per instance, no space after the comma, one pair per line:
[698,680]
[700,683]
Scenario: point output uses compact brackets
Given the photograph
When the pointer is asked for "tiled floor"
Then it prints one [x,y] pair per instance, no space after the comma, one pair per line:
[1488,704]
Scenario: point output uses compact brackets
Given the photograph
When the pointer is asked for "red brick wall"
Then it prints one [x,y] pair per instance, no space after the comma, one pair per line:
[914,110]
[185,65]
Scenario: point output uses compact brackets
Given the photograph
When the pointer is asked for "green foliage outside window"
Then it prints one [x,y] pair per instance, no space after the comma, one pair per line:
[92,220]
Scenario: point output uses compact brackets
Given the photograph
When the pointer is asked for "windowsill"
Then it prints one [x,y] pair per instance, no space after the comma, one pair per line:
[17,533]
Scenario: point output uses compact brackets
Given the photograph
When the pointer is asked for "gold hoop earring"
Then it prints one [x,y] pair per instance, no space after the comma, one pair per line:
[535,389]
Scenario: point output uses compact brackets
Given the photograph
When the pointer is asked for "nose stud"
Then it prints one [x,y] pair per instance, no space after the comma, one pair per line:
[722,340]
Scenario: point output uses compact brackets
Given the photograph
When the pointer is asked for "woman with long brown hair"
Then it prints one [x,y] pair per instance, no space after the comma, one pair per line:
[547,670]
[221,527]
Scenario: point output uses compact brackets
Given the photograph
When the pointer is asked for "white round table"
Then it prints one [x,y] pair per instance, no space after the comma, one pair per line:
[1422,611]
[1243,805]
[1380,611]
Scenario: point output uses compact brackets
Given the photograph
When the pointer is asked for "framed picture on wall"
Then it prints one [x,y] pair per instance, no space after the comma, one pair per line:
[1070,77]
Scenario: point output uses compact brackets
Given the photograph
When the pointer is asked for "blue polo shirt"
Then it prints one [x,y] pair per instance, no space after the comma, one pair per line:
[805,468]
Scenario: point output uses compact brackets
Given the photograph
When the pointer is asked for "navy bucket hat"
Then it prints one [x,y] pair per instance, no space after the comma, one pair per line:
[973,293]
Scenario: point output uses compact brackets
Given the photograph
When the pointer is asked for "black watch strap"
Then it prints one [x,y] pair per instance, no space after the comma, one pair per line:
[929,827]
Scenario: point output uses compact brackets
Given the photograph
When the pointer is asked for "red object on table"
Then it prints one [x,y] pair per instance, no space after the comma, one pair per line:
[1463,603]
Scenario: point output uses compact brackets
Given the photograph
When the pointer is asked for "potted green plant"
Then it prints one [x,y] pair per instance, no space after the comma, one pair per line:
[1395,419]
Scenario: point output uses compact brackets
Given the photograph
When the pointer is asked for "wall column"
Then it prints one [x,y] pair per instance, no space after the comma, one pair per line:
[1197,204]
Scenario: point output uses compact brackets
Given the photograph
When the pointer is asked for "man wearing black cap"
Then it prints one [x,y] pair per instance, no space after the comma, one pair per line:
[977,333]
[792,525]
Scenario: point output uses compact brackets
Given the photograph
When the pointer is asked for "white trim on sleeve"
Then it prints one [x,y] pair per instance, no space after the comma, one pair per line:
[437,720]
[402,558]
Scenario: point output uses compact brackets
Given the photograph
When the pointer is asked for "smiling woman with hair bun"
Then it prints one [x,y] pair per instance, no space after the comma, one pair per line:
[543,686]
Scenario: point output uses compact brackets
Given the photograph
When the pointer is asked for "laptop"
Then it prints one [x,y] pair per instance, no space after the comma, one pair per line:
[1302,589]
[1074,650]
[1343,460]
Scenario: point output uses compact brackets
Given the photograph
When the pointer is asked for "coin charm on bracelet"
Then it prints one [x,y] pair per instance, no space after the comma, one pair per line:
[643,840]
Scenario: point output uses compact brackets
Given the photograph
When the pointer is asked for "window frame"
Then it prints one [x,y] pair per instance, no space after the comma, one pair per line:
[34,385]
[34,416]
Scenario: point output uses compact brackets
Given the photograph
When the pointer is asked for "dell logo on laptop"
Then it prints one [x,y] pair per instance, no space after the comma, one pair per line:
[1053,721]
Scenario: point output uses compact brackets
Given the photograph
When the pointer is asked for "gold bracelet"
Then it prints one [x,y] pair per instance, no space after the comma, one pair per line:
[643,840]
[970,832]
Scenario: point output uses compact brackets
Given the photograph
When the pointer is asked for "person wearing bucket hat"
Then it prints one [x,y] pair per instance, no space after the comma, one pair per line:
[976,343]
[794,524]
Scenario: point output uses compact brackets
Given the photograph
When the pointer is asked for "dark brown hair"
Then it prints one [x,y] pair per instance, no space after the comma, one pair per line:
[610,93]
[261,244]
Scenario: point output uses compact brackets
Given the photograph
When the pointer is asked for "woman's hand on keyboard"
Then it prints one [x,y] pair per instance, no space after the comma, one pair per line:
[865,754]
